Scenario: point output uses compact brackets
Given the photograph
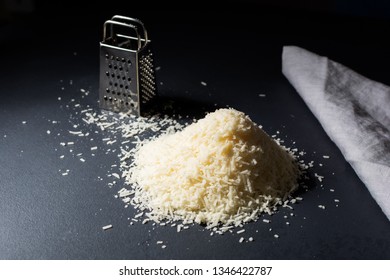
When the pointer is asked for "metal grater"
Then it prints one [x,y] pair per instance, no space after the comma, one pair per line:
[127,75]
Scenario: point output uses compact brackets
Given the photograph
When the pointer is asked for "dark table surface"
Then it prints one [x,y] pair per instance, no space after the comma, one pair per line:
[45,215]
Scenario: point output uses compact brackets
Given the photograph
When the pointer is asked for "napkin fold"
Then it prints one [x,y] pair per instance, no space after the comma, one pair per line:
[353,110]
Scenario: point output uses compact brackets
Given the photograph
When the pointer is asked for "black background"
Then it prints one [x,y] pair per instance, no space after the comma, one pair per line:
[236,48]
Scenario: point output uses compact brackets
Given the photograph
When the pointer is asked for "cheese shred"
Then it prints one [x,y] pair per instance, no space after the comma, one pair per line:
[221,171]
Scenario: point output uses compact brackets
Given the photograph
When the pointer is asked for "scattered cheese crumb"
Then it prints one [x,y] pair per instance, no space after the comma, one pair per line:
[203,83]
[107,227]
[276,235]
[250,239]
[241,239]
[139,215]
[320,178]
[116,175]
[75,132]
[241,231]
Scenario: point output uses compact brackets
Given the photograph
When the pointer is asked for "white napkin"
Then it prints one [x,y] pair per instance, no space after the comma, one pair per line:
[353,110]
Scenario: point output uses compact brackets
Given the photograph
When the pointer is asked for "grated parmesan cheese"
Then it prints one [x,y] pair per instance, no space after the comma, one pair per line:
[222,170]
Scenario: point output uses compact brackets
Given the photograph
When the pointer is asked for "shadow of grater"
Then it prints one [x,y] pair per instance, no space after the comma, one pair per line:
[127,75]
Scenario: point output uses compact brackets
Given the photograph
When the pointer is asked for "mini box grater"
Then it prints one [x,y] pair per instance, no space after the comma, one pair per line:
[127,74]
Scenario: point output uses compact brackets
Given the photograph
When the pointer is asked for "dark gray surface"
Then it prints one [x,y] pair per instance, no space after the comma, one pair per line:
[44,215]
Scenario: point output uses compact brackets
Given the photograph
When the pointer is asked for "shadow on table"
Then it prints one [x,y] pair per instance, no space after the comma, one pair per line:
[179,107]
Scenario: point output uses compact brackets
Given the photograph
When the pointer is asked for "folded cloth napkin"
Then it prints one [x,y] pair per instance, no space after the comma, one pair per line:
[353,110]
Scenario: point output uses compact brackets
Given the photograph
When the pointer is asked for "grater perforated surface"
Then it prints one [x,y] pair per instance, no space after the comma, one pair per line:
[118,80]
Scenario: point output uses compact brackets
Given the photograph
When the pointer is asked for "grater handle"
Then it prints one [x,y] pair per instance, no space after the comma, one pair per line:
[139,23]
[113,22]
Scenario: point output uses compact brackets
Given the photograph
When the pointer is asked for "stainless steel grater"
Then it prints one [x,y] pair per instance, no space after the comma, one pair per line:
[127,74]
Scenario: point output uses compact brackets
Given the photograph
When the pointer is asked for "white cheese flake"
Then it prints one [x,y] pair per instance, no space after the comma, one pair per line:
[139,215]
[116,175]
[75,132]
[320,178]
[107,227]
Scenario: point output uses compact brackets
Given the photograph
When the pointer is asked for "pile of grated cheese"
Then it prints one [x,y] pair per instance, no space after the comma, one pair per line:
[222,171]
